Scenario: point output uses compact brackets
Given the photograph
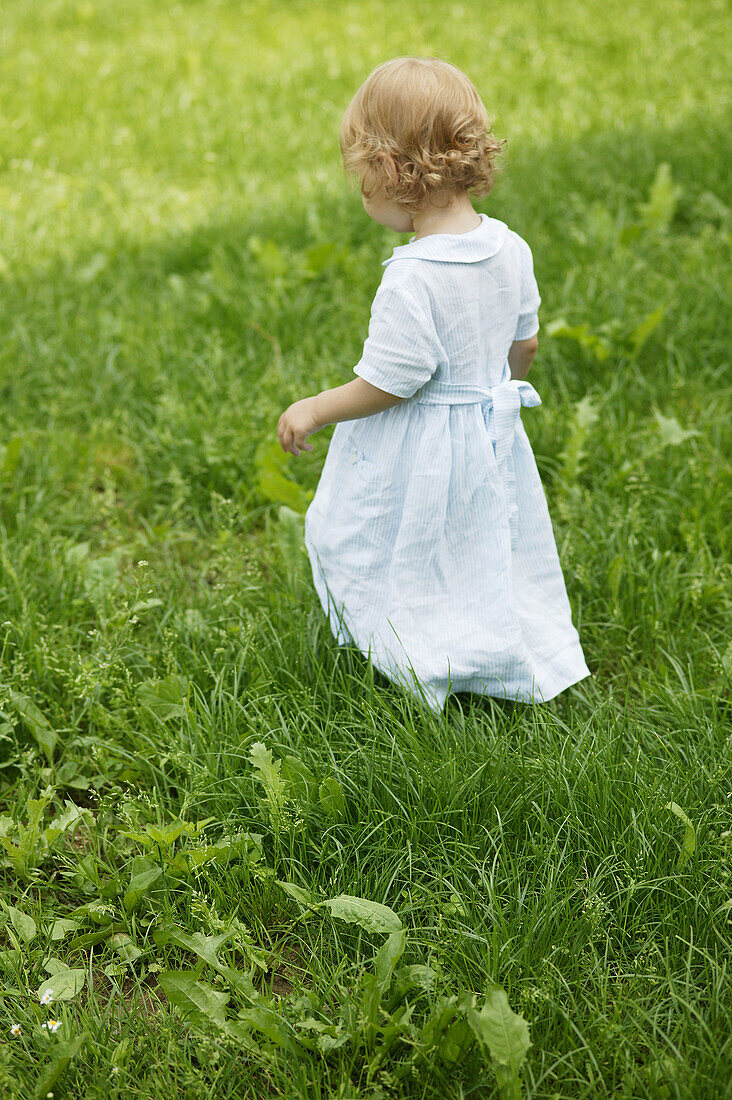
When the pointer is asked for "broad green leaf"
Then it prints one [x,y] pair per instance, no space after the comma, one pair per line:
[582,335]
[64,985]
[24,925]
[270,463]
[98,911]
[119,1054]
[664,194]
[586,412]
[197,999]
[268,774]
[66,820]
[268,768]
[77,552]
[299,778]
[36,722]
[331,797]
[640,334]
[504,1035]
[62,926]
[689,842]
[69,775]
[304,898]
[144,874]
[327,1043]
[370,915]
[431,1036]
[269,256]
[146,605]
[10,454]
[271,1024]
[456,1041]
[246,846]
[417,976]
[670,430]
[165,835]
[141,838]
[89,939]
[115,970]
[388,956]
[100,577]
[165,698]
[125,948]
[207,947]
[62,1052]
[54,965]
[711,207]
[374,986]
[320,256]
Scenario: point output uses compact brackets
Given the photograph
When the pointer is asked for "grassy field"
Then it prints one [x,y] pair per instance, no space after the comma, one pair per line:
[194,779]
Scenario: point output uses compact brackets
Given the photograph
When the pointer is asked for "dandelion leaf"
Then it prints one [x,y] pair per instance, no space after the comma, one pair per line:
[36,723]
[24,925]
[369,915]
[64,984]
[504,1036]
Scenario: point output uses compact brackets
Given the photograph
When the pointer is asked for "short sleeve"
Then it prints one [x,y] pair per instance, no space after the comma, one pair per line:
[402,350]
[528,318]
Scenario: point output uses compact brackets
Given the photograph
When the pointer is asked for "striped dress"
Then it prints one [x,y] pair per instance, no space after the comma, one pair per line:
[429,536]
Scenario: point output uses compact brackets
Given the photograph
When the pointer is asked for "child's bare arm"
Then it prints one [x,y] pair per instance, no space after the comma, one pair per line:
[520,356]
[348,402]
[352,401]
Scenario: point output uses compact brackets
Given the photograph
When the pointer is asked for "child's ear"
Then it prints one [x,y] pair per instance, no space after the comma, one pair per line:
[388,167]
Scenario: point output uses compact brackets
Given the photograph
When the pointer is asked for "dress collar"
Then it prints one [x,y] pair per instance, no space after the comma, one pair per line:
[477,244]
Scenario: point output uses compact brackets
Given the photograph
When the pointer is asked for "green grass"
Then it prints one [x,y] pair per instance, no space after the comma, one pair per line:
[169,184]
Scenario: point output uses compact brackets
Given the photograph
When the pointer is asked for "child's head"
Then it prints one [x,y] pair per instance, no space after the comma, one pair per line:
[415,129]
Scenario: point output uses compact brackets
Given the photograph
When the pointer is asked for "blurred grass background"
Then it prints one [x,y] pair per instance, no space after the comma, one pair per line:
[181,257]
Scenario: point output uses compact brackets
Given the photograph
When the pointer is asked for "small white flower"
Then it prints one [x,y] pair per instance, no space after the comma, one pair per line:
[15,1029]
[46,997]
[52,1025]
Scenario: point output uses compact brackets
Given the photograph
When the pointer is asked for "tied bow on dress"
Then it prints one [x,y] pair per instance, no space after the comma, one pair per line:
[501,408]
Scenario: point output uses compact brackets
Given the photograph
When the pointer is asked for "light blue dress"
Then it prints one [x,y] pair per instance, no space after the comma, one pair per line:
[429,536]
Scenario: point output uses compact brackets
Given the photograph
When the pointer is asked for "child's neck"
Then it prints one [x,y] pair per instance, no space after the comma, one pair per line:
[454,216]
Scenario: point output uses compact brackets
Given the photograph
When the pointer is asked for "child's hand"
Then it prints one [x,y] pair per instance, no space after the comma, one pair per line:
[296,424]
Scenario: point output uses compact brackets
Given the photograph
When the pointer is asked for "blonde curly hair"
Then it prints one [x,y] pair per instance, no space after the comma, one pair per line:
[417,126]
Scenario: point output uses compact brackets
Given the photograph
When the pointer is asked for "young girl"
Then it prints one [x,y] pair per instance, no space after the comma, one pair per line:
[429,535]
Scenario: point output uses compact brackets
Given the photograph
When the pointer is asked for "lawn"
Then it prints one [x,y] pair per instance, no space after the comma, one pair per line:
[197,785]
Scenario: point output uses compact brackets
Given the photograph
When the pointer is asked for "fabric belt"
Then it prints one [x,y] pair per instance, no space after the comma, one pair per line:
[501,408]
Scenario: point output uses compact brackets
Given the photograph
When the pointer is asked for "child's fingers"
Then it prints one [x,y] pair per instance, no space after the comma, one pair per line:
[286,438]
[300,438]
[291,440]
